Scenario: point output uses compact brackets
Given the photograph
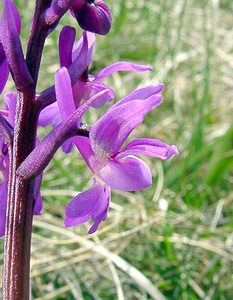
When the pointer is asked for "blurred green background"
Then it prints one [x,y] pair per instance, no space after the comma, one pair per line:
[173,240]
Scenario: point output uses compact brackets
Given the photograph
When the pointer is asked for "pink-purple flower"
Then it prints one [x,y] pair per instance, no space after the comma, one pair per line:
[113,164]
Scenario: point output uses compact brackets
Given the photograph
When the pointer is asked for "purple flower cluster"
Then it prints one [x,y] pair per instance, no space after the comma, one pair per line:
[102,145]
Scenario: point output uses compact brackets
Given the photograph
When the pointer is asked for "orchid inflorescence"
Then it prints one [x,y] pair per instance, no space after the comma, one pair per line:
[102,145]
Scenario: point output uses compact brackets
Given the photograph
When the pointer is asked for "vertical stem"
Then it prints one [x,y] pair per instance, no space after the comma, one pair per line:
[16,268]
[17,248]
[35,49]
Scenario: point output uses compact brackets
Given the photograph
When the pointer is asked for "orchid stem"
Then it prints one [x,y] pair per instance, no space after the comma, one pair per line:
[16,267]
[17,247]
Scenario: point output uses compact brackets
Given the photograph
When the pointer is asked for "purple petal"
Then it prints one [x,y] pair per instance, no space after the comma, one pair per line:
[77,48]
[3,205]
[37,196]
[141,94]
[93,89]
[64,93]
[84,147]
[127,174]
[120,66]
[80,63]
[50,116]
[149,147]
[68,146]
[9,35]
[111,131]
[10,102]
[16,15]
[4,73]
[4,112]
[79,89]
[66,42]
[91,204]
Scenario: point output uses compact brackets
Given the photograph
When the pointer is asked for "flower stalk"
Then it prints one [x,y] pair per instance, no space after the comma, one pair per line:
[16,266]
[20,198]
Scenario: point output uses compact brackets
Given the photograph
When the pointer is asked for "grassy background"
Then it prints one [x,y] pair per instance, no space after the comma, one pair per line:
[173,240]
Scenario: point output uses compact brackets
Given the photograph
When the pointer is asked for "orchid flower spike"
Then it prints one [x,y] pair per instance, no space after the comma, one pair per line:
[92,15]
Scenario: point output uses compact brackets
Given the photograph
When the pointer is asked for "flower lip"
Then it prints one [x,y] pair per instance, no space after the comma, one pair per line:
[91,204]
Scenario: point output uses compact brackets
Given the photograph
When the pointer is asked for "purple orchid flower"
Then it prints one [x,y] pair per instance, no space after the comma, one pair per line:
[92,15]
[9,112]
[115,167]
[4,69]
[112,166]
[87,85]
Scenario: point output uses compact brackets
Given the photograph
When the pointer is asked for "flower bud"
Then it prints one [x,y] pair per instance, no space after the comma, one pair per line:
[92,15]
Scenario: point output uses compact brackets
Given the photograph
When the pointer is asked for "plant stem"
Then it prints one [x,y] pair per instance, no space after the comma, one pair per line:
[17,248]
[16,268]
[39,32]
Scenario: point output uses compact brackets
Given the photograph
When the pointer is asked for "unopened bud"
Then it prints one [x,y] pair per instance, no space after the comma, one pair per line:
[92,15]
